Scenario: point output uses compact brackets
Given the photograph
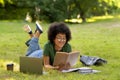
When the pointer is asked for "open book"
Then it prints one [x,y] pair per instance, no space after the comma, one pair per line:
[82,70]
[66,58]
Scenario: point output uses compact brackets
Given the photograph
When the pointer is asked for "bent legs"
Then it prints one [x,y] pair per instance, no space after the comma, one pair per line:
[34,49]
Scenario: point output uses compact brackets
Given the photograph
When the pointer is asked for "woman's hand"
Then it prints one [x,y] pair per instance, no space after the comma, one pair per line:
[64,67]
[51,67]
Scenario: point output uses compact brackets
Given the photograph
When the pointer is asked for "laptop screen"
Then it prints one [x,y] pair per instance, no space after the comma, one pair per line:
[31,65]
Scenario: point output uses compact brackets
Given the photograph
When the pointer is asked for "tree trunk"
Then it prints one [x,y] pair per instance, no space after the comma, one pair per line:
[82,15]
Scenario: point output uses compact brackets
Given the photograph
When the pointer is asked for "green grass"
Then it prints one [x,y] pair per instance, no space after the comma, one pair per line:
[94,39]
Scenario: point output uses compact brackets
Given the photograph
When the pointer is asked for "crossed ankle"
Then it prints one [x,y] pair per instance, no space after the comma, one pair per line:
[30,32]
[38,27]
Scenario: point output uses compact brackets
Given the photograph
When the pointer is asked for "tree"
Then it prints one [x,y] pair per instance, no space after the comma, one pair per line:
[84,6]
[56,10]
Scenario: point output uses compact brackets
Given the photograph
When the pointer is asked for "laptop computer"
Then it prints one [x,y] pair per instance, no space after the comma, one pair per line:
[31,65]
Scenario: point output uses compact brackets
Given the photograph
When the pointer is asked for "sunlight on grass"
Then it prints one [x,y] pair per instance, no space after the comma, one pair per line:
[10,79]
[74,20]
[4,63]
[93,19]
[118,16]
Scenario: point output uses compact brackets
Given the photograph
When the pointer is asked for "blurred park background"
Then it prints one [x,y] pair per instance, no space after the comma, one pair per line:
[96,32]
[57,10]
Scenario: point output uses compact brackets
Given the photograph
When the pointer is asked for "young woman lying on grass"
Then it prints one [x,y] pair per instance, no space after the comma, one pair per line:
[58,37]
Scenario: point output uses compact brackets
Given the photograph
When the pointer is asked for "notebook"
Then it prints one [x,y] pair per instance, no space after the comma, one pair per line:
[31,65]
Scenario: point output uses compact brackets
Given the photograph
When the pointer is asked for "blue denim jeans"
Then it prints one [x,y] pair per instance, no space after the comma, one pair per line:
[34,49]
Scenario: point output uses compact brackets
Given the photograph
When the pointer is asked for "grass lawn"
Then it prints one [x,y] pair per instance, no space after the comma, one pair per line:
[94,39]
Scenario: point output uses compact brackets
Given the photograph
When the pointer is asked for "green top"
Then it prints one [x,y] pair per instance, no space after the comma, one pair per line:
[49,50]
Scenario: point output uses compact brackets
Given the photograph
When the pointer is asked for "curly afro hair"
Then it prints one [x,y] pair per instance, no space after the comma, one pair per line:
[56,28]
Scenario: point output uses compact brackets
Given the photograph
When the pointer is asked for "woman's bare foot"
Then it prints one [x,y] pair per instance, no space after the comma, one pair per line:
[27,28]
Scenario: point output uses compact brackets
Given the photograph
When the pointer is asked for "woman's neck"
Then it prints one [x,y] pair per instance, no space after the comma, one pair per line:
[57,48]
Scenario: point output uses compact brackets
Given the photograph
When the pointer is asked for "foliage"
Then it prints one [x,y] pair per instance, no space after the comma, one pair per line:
[56,10]
[84,7]
[104,8]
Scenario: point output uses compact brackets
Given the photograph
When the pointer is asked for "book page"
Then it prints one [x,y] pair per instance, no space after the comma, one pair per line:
[72,58]
[70,70]
[60,58]
[81,70]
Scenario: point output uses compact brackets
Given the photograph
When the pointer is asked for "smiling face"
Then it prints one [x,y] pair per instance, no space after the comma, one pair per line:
[59,41]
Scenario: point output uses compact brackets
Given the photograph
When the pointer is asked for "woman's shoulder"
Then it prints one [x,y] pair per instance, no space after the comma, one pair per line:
[48,47]
[67,48]
[67,44]
[48,44]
